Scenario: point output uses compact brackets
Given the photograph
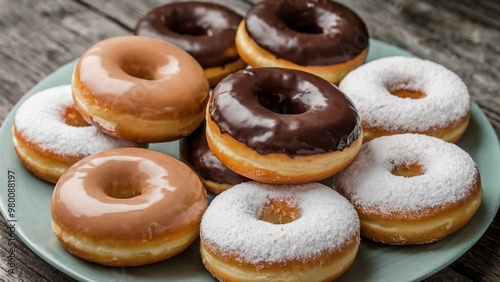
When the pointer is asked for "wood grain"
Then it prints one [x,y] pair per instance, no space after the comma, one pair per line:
[37,37]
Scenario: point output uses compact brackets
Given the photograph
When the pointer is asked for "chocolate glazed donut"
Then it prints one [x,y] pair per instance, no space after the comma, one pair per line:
[216,176]
[307,33]
[284,111]
[204,30]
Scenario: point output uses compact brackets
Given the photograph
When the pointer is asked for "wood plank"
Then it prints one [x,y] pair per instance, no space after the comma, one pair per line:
[29,267]
[481,262]
[68,29]
[128,13]
[447,274]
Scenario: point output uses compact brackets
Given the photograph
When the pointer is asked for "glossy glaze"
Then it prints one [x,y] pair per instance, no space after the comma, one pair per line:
[142,76]
[128,193]
[204,30]
[274,110]
[307,32]
[194,149]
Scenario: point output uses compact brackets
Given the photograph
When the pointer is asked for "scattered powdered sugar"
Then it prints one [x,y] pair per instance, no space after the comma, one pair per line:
[368,86]
[231,222]
[448,174]
[40,120]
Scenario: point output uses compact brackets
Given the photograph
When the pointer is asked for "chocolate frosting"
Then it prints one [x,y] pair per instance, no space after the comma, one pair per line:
[307,32]
[204,30]
[194,149]
[276,110]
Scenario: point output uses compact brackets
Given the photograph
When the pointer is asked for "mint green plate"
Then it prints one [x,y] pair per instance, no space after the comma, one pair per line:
[374,262]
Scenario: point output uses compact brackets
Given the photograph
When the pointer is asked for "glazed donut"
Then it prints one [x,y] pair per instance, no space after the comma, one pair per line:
[282,126]
[127,207]
[215,176]
[140,89]
[49,135]
[262,232]
[204,30]
[411,188]
[317,36]
[397,95]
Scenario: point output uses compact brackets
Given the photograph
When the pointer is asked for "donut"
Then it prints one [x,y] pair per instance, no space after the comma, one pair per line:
[49,135]
[204,30]
[397,95]
[216,177]
[127,207]
[317,36]
[264,232]
[140,89]
[411,188]
[282,126]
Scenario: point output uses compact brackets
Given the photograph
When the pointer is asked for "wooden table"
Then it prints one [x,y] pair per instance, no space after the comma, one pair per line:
[37,37]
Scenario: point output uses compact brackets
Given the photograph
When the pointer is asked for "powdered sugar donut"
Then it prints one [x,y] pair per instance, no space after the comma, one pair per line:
[50,135]
[411,188]
[263,232]
[408,95]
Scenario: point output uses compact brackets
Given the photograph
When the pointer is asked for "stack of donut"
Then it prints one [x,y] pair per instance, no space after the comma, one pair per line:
[113,203]
[119,97]
[408,184]
[260,142]
[265,131]
[140,206]
[270,125]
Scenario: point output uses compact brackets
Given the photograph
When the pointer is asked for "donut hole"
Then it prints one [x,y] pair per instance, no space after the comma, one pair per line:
[279,102]
[302,22]
[406,93]
[188,28]
[123,188]
[72,117]
[303,27]
[141,70]
[408,170]
[404,90]
[187,23]
[279,211]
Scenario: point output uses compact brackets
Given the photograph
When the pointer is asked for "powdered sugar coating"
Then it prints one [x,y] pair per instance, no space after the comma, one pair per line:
[231,222]
[449,173]
[40,120]
[447,99]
